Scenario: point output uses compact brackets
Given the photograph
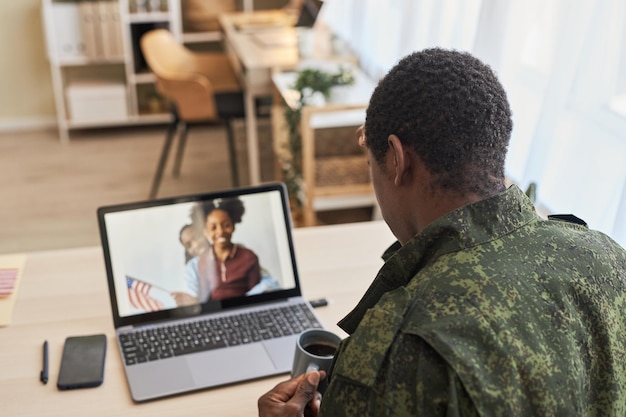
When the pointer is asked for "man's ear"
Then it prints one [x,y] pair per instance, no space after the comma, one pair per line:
[401,162]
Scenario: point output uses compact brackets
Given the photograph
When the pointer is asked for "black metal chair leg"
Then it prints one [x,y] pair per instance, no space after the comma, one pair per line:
[182,139]
[232,152]
[156,182]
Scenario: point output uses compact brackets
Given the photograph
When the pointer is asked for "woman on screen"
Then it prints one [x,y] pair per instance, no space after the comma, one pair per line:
[226,269]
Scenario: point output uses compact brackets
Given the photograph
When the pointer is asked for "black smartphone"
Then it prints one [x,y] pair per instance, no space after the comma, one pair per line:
[82,363]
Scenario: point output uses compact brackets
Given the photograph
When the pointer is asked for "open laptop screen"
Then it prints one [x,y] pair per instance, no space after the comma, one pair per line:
[308,12]
[164,255]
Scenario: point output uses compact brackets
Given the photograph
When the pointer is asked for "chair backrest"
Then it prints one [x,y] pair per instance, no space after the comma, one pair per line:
[177,76]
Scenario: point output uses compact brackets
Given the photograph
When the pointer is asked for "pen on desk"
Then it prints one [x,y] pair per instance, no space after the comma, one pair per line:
[43,376]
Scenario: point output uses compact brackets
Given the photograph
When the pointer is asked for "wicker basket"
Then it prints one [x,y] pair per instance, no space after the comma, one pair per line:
[336,141]
[341,170]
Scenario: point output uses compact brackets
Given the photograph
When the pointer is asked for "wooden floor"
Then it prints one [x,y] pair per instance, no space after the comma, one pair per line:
[50,192]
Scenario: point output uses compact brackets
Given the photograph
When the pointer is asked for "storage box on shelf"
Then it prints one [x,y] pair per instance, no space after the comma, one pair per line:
[97,101]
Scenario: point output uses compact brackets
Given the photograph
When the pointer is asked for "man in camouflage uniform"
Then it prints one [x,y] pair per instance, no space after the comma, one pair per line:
[482,307]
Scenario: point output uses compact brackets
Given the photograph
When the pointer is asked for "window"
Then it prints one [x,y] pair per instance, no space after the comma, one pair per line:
[563,64]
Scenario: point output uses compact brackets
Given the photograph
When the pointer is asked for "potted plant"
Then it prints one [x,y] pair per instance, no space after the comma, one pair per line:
[311,83]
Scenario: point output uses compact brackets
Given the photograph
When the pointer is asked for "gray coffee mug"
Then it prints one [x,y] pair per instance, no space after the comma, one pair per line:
[315,350]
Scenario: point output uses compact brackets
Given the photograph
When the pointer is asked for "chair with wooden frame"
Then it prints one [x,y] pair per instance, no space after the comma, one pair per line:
[202,87]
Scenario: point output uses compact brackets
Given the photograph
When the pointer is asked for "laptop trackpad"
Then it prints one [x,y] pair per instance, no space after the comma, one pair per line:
[223,366]
[282,352]
[155,379]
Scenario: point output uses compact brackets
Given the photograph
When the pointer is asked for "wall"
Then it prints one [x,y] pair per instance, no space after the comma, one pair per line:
[26,97]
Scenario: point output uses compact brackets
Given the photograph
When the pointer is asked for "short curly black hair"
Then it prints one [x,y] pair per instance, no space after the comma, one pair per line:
[233,206]
[450,108]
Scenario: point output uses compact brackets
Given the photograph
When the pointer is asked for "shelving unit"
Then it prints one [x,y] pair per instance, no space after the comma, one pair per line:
[95,62]
[94,55]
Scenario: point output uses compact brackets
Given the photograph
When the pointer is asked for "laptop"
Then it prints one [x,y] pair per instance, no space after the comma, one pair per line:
[185,320]
[309,12]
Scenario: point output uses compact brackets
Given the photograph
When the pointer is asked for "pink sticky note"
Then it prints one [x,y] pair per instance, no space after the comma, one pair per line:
[7,281]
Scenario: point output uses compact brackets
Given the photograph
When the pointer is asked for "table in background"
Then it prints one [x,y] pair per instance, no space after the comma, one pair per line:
[257,42]
[260,42]
[64,293]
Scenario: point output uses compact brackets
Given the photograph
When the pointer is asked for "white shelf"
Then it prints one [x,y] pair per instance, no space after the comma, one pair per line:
[83,124]
[143,78]
[84,61]
[328,203]
[151,118]
[149,17]
[199,37]
[140,119]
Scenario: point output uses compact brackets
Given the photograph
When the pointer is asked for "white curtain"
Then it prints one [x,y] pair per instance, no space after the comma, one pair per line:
[563,64]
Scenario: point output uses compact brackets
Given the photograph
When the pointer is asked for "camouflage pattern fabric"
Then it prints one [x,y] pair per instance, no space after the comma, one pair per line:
[490,311]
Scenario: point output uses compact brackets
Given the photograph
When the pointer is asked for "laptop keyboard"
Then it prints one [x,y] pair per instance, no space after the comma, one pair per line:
[214,333]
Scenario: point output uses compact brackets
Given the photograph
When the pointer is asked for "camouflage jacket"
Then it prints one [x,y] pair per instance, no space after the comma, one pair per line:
[490,311]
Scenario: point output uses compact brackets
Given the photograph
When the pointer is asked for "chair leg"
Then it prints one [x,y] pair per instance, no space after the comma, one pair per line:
[182,139]
[233,152]
[158,175]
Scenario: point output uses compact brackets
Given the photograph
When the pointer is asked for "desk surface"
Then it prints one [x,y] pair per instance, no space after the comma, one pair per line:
[242,32]
[64,293]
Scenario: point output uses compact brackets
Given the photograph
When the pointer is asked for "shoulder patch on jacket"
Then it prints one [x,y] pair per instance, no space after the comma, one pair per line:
[569,218]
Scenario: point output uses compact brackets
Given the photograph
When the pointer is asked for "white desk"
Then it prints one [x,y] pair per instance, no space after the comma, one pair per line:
[64,293]
[253,61]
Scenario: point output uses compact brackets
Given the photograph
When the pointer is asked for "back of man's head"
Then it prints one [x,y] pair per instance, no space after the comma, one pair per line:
[450,108]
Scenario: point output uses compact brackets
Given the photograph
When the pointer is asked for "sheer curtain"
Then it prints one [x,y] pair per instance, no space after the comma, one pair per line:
[563,64]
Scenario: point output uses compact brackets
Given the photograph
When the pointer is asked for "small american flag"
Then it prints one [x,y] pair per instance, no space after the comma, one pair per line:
[138,292]
[8,277]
